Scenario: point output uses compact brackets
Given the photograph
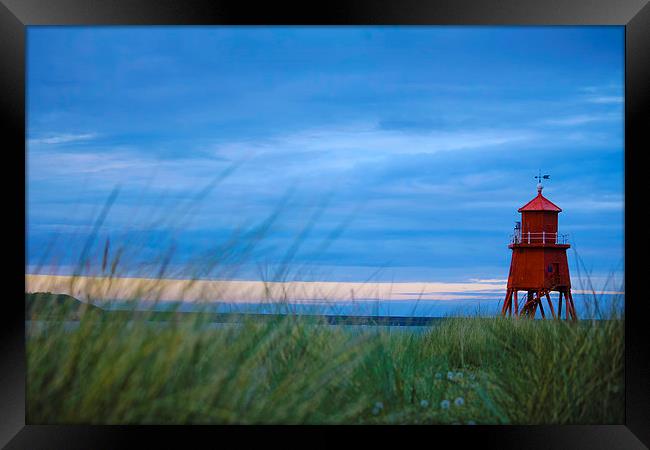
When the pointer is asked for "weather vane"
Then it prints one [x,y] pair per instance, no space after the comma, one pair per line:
[541,177]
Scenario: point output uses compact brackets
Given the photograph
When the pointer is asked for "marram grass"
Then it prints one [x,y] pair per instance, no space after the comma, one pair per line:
[109,370]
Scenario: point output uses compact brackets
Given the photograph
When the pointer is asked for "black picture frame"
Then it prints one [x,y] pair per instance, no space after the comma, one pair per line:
[15,15]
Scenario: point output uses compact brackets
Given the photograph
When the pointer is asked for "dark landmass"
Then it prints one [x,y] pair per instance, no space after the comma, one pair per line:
[46,305]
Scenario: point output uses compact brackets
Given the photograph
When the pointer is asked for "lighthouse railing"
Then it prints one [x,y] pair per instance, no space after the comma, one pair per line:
[541,237]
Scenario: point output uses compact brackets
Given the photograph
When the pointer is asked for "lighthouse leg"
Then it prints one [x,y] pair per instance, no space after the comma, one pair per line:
[507,303]
[530,306]
[559,306]
[516,304]
[573,308]
[550,305]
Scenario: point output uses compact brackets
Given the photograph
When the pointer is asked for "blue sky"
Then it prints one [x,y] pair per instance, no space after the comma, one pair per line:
[413,146]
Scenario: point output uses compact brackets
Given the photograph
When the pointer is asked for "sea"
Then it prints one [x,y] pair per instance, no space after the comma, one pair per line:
[588,306]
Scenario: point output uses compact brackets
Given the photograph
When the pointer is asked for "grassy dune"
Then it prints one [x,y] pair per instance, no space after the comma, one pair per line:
[466,370]
[126,368]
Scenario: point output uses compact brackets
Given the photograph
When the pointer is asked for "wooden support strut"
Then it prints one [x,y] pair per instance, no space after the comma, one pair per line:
[516,304]
[506,302]
[535,300]
[550,305]
[528,308]
[574,316]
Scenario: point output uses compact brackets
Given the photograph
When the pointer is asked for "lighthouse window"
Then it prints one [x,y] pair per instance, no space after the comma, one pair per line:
[550,268]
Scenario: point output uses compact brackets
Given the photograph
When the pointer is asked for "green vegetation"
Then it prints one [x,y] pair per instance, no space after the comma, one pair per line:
[470,370]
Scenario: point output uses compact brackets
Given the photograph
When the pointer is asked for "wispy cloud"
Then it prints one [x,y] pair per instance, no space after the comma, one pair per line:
[345,147]
[127,167]
[606,99]
[594,205]
[314,155]
[488,280]
[62,138]
[606,94]
[581,119]
[87,162]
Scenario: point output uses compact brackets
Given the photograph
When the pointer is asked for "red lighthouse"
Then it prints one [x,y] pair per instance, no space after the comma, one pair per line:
[539,263]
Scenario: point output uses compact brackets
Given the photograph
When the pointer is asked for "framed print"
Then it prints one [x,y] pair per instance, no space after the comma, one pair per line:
[357,218]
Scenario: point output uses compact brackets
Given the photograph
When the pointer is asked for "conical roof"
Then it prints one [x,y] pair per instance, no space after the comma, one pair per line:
[540,203]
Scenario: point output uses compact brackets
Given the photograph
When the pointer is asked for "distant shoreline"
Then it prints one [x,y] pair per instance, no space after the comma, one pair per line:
[250,291]
[238,291]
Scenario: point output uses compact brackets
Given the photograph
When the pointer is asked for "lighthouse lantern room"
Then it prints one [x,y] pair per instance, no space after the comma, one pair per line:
[539,262]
